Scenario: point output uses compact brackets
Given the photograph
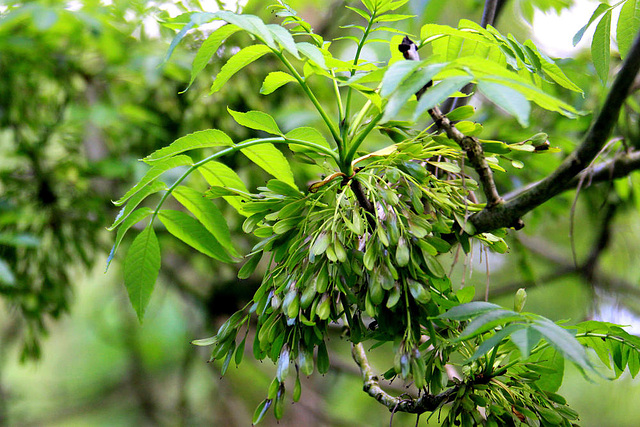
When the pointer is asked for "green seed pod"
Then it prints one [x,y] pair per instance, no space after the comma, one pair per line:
[402,253]
[520,300]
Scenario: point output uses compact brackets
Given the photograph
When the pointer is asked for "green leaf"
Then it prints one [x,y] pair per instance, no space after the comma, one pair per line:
[551,69]
[134,218]
[141,268]
[177,39]
[249,267]
[508,99]
[600,47]
[494,340]
[256,120]
[219,174]
[158,169]
[550,359]
[284,38]
[526,339]
[563,341]
[602,7]
[408,88]
[269,158]
[487,321]
[468,311]
[313,53]
[238,61]
[250,23]
[628,26]
[135,201]
[191,232]
[207,213]
[208,48]
[306,134]
[275,80]
[201,139]
[438,93]
[396,74]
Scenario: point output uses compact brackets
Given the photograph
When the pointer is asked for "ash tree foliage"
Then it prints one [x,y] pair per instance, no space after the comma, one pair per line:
[360,246]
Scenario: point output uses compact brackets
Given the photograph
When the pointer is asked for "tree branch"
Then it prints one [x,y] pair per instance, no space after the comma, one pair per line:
[469,144]
[508,213]
[425,403]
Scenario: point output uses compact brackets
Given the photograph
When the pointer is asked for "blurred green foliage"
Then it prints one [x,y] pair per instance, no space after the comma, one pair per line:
[84,93]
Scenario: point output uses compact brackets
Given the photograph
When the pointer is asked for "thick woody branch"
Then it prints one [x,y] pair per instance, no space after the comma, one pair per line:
[618,167]
[425,403]
[508,213]
[469,144]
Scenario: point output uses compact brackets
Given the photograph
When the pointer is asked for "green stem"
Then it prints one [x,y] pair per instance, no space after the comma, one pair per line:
[305,87]
[358,141]
[237,147]
[363,112]
[355,62]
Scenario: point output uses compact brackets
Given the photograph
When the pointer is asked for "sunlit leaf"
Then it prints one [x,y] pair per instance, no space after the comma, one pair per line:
[238,61]
[269,158]
[275,80]
[209,48]
[256,120]
[628,26]
[201,139]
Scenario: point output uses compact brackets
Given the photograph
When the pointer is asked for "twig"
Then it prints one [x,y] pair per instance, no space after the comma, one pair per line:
[469,144]
[425,403]
[508,213]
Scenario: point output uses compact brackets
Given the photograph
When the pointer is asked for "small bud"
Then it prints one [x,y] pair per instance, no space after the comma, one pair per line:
[520,299]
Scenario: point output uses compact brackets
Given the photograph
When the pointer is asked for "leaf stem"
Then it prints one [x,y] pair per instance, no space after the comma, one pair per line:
[348,158]
[233,149]
[305,87]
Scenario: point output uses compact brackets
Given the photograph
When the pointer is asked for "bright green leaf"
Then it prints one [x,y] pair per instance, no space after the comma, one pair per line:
[238,61]
[158,169]
[194,234]
[201,139]
[141,267]
[602,7]
[628,26]
[275,80]
[468,311]
[256,120]
[284,38]
[269,158]
[135,200]
[209,48]
[600,47]
[221,175]
[313,53]
[207,213]
[134,218]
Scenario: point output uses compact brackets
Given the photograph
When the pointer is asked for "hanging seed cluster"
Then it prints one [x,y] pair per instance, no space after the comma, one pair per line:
[327,263]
